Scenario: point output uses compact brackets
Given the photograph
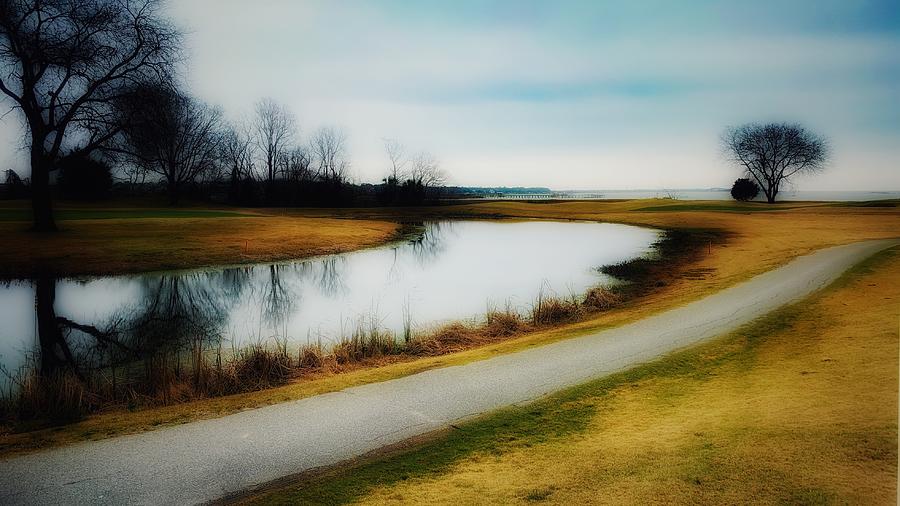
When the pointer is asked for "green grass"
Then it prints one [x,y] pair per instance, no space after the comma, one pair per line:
[112,214]
[869,203]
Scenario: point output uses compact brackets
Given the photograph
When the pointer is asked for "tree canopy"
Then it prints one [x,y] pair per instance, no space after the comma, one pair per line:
[771,154]
[64,63]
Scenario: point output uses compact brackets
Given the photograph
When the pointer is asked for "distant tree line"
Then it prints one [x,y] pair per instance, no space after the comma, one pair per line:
[96,84]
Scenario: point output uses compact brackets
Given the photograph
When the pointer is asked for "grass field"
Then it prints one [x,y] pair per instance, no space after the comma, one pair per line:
[798,407]
[119,214]
[757,242]
[730,208]
[116,241]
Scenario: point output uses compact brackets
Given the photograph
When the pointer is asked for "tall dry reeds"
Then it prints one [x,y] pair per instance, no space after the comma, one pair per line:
[202,370]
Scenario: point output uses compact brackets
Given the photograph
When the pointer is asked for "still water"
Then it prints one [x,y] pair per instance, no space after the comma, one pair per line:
[453,270]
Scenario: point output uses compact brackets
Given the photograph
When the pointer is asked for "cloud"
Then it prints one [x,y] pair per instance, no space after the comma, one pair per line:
[572,94]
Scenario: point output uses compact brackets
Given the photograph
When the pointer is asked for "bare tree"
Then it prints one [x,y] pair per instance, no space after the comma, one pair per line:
[298,164]
[176,137]
[278,298]
[238,151]
[773,153]
[329,148]
[426,170]
[63,62]
[396,153]
[274,127]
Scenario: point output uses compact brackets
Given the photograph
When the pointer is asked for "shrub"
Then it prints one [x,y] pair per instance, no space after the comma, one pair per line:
[744,190]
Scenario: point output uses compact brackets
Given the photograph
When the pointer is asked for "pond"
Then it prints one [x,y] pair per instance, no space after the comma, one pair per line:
[452,270]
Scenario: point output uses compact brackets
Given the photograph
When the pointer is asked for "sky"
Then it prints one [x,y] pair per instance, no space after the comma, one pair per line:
[568,95]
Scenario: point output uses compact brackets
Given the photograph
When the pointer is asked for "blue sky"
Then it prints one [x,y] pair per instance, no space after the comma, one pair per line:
[583,94]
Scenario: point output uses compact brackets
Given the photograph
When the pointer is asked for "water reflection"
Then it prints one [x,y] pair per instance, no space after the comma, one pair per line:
[452,270]
[65,345]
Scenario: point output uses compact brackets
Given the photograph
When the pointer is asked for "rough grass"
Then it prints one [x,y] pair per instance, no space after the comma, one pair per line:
[797,407]
[116,245]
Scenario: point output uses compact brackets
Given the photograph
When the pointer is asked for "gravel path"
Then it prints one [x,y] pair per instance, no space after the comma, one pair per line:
[205,460]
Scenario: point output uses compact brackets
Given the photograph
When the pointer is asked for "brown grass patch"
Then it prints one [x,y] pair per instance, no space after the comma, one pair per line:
[799,407]
[117,246]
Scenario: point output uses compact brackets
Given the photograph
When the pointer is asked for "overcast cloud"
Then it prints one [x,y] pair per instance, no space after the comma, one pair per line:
[560,94]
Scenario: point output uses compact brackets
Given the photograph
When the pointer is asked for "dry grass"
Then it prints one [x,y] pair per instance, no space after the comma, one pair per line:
[797,407]
[116,246]
[37,399]
[60,398]
[502,323]
[602,299]
[181,375]
[552,310]
[757,242]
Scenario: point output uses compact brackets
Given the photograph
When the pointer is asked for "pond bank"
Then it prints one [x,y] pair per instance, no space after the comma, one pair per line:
[202,372]
[757,243]
[204,461]
[165,338]
[799,406]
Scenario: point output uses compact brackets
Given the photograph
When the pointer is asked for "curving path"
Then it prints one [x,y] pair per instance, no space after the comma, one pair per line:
[206,460]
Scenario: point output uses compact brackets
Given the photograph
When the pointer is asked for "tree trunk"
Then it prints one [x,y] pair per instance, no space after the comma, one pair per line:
[41,205]
[173,192]
[770,194]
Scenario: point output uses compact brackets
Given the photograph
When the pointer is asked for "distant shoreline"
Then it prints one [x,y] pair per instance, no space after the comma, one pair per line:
[710,194]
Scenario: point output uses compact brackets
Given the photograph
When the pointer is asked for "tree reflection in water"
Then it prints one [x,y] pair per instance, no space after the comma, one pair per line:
[174,328]
[155,338]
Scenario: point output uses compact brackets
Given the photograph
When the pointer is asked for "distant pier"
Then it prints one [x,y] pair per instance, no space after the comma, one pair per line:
[545,196]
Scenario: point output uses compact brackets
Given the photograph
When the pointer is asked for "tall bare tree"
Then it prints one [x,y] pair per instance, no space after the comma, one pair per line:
[329,148]
[175,136]
[396,153]
[63,62]
[274,126]
[773,153]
